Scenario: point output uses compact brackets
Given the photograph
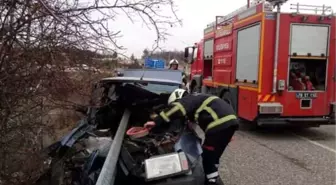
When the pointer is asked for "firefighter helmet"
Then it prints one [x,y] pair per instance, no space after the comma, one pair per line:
[176,94]
[173,61]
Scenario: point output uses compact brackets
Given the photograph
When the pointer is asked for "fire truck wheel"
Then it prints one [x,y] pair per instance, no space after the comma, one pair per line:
[227,97]
[194,89]
[204,89]
[192,86]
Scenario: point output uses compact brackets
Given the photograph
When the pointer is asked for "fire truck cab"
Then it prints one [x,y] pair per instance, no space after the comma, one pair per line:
[272,67]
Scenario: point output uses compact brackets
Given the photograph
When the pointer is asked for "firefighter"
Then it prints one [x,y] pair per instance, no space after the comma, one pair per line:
[215,117]
[173,64]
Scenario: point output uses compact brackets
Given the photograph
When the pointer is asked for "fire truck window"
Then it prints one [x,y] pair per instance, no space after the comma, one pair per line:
[307,75]
[195,54]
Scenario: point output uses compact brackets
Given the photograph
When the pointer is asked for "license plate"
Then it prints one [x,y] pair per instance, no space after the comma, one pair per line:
[305,95]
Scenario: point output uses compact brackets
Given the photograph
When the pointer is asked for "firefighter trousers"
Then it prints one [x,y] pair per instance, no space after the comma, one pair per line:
[213,148]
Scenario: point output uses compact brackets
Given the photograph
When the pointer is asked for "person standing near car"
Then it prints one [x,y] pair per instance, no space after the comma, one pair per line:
[215,117]
[173,65]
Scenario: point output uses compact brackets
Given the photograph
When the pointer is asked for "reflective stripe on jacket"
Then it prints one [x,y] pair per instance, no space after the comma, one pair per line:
[208,111]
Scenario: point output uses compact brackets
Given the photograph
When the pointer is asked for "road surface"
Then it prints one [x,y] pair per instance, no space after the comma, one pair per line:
[274,156]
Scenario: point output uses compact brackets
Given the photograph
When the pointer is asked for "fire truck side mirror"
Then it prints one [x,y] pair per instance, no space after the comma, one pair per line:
[186,52]
[189,58]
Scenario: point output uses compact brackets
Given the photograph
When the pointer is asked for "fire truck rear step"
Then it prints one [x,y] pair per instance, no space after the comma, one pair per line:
[304,121]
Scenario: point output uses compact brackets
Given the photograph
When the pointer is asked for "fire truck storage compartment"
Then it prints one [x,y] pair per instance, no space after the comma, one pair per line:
[248,43]
[207,71]
[307,74]
[208,48]
[309,39]
[208,55]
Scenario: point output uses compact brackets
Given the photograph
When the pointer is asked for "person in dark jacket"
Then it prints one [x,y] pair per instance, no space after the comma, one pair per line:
[214,116]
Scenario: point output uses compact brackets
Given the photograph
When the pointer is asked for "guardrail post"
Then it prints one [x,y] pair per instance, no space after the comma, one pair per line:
[107,174]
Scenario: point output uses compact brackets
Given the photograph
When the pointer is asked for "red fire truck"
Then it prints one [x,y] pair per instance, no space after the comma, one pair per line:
[272,67]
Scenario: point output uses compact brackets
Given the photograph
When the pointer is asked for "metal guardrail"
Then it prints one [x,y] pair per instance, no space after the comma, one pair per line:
[108,172]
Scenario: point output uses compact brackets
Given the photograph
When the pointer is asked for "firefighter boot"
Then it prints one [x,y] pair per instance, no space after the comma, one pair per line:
[214,181]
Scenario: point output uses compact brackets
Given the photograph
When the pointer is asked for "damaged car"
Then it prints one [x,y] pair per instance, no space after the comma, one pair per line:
[110,146]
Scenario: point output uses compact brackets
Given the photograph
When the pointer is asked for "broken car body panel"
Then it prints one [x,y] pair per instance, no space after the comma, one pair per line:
[138,91]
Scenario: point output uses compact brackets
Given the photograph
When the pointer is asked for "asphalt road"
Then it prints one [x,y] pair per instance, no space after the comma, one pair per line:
[286,156]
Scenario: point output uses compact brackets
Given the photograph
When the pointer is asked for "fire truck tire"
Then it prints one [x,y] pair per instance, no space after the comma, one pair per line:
[204,89]
[194,88]
[247,125]
[191,86]
[226,96]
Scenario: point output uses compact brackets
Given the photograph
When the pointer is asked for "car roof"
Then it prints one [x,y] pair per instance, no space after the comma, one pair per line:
[159,76]
[138,79]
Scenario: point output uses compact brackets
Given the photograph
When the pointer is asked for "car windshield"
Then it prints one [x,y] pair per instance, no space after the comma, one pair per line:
[159,88]
[102,91]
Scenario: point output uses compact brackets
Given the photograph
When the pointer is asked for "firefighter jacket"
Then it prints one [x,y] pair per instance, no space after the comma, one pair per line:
[210,112]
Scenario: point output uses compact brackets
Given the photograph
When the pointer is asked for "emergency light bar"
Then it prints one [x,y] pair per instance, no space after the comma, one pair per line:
[270,108]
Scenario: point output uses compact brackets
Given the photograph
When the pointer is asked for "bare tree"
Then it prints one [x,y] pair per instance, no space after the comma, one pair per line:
[145,53]
[132,57]
[43,44]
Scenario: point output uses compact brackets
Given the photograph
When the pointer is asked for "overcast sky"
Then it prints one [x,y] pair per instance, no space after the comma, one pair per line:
[195,14]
